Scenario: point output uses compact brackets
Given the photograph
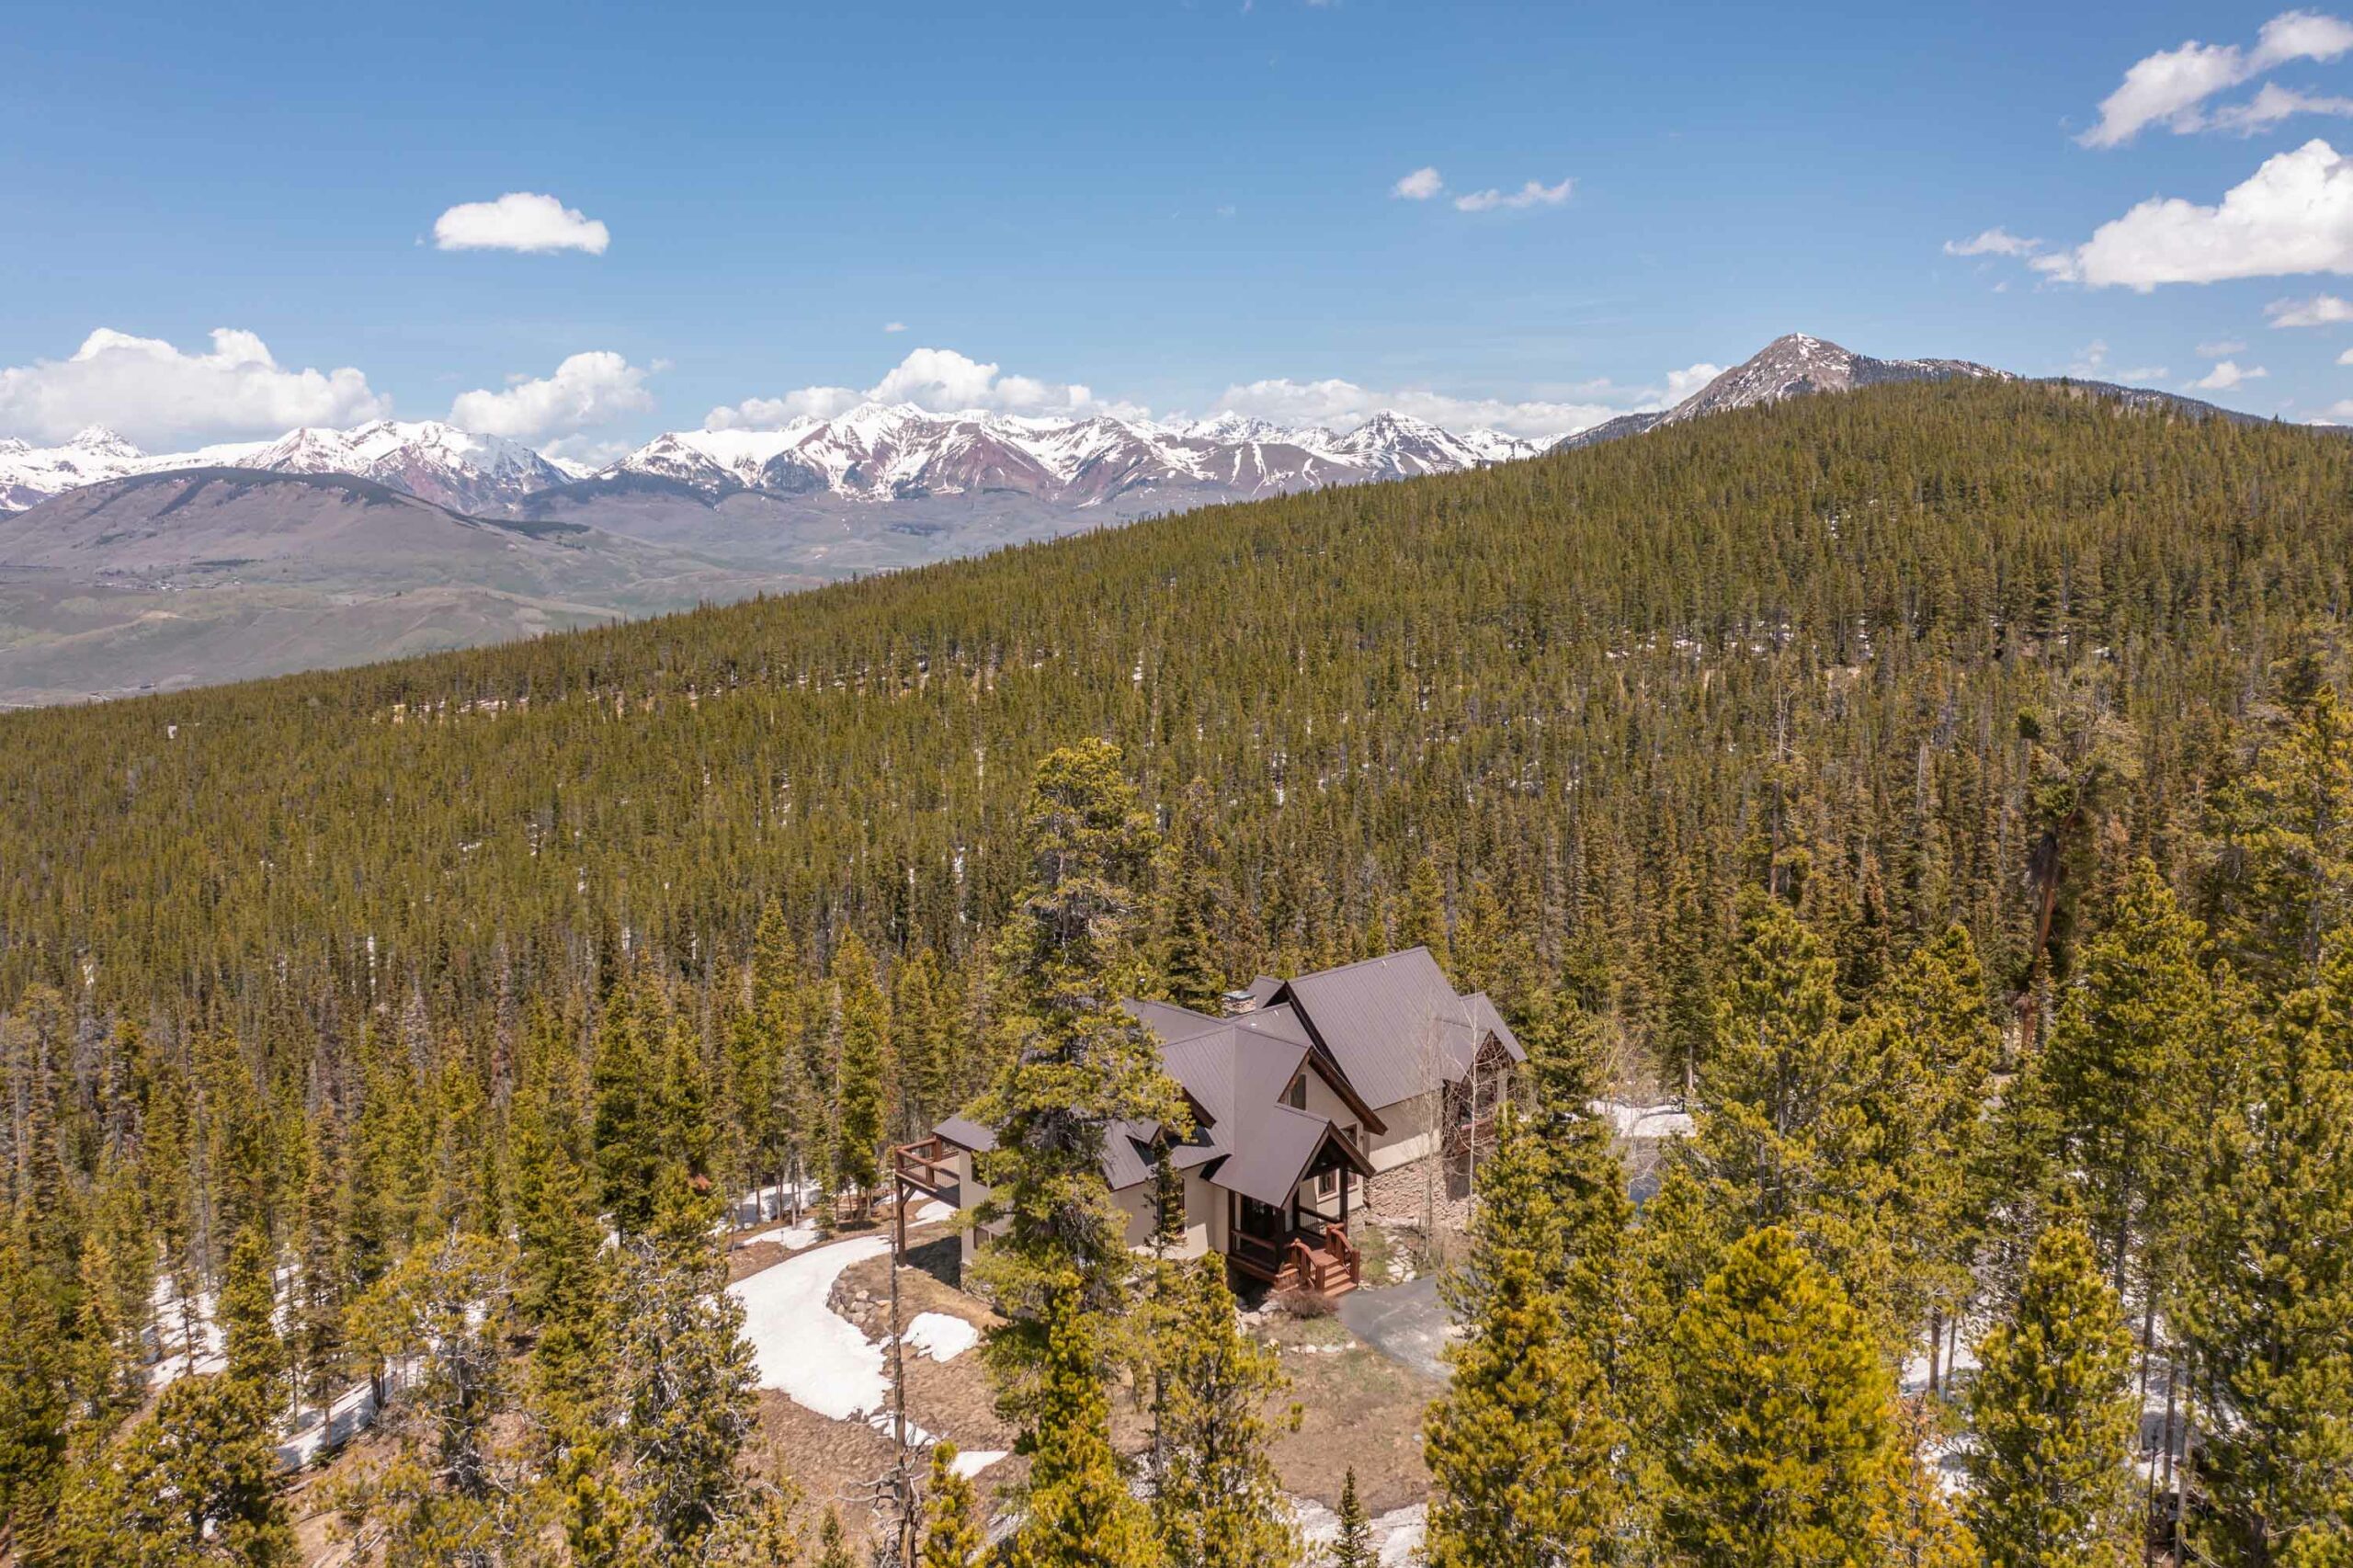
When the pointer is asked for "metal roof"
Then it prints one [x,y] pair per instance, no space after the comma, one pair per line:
[1384,1031]
[1394,1026]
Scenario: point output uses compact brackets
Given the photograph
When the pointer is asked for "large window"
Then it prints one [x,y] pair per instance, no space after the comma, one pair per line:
[1296,1096]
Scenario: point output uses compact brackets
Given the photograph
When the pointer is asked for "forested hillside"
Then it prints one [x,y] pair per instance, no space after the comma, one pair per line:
[1756,734]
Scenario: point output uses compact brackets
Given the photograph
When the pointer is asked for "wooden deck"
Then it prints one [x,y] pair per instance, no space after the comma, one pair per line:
[1325,1265]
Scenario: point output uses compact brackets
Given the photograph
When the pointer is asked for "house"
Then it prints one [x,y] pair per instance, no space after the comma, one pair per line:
[1311,1098]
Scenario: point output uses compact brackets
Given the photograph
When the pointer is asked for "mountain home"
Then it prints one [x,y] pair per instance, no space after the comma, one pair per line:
[1311,1099]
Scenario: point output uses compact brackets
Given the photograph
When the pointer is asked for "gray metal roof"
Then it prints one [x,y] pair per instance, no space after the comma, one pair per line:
[1394,1026]
[1390,1027]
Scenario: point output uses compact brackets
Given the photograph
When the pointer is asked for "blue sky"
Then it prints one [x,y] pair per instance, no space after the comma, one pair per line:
[1171,206]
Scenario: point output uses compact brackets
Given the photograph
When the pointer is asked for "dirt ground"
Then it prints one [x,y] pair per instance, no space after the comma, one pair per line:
[1358,1409]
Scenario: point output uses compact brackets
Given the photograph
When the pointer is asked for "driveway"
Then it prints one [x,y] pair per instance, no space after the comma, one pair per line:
[1406,1322]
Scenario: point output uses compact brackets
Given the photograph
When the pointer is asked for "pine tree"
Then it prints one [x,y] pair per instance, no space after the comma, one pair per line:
[833,1552]
[445,1311]
[1191,906]
[1219,1503]
[923,1045]
[1422,922]
[316,1337]
[1079,1064]
[2261,1317]
[192,1482]
[1080,1512]
[2139,1020]
[33,1415]
[1780,1446]
[2053,1418]
[256,1354]
[629,1137]
[861,1083]
[1521,1445]
[1785,1133]
[953,1536]
[1353,1546]
[680,1401]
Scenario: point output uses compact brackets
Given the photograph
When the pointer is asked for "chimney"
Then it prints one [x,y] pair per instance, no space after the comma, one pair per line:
[1239,1002]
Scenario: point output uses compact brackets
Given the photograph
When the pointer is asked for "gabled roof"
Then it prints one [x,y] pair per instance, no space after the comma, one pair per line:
[1375,1031]
[1393,1024]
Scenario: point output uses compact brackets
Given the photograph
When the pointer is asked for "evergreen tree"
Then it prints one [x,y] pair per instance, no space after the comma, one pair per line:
[1353,1546]
[2138,1021]
[315,1338]
[833,1552]
[1219,1503]
[448,1490]
[1079,1064]
[2052,1419]
[1521,1446]
[193,1482]
[1191,907]
[629,1137]
[1786,1135]
[861,1082]
[256,1354]
[1080,1513]
[953,1536]
[1422,922]
[681,1400]
[1779,1447]
[33,1413]
[2262,1315]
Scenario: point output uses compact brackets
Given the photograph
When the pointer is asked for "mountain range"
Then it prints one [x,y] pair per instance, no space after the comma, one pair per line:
[121,570]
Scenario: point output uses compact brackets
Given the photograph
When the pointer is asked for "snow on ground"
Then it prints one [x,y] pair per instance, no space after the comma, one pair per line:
[800,1347]
[792,1238]
[941,1336]
[353,1411]
[1396,1535]
[934,1211]
[971,1464]
[1644,1122]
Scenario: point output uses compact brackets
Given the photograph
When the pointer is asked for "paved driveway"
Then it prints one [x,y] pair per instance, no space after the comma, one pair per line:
[1406,1323]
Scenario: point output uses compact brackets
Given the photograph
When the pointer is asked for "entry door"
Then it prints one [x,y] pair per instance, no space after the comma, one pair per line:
[1261,1221]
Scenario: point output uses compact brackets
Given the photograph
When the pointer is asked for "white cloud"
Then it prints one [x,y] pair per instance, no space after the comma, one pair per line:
[2321,310]
[1419,186]
[2228,374]
[1681,384]
[2221,348]
[586,389]
[2274,104]
[2171,87]
[2091,364]
[2294,214]
[519,221]
[154,394]
[1992,242]
[894,326]
[940,379]
[1532,194]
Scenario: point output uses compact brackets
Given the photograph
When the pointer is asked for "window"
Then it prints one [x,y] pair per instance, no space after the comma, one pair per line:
[1296,1096]
[1327,1184]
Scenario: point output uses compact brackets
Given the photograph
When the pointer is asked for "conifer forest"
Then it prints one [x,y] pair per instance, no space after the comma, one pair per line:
[1942,791]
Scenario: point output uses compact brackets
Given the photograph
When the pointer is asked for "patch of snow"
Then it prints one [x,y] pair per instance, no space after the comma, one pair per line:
[971,1464]
[800,1346]
[933,1212]
[941,1336]
[1637,1123]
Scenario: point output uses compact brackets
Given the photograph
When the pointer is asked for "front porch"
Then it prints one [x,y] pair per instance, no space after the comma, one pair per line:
[1302,1246]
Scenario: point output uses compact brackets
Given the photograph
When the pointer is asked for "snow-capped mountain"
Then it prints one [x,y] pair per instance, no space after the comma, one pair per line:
[898,452]
[1795,364]
[30,475]
[434,461]
[431,461]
